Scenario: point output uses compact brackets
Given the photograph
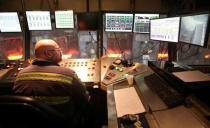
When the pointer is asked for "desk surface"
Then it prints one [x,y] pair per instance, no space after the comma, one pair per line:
[158,115]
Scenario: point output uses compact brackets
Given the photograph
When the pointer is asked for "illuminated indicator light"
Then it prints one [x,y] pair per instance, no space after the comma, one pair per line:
[66,56]
[29,61]
[20,69]
[149,51]
[117,68]
[207,56]
[121,69]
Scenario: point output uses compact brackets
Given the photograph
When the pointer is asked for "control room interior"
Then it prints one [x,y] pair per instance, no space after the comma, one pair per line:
[146,63]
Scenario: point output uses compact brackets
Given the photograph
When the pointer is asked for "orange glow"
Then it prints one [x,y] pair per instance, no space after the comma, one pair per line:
[68,56]
[207,56]
[13,38]
[73,51]
[163,56]
[114,55]
[15,57]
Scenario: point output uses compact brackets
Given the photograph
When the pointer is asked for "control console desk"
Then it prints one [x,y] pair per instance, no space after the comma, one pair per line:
[186,109]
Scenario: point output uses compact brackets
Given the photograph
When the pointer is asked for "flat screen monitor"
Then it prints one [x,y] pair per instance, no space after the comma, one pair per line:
[194,29]
[87,21]
[64,19]
[118,22]
[9,22]
[39,20]
[166,29]
[142,22]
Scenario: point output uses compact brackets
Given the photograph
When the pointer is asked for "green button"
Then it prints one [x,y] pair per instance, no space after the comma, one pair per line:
[117,68]
[121,69]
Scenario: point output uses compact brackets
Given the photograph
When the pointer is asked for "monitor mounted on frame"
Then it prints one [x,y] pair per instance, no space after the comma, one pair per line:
[142,22]
[38,20]
[64,19]
[194,29]
[118,22]
[9,22]
[165,29]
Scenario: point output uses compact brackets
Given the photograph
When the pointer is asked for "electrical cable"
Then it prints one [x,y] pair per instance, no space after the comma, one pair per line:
[92,39]
[144,52]
[121,51]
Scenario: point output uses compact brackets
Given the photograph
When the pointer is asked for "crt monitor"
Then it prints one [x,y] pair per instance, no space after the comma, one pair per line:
[64,19]
[38,20]
[142,22]
[9,22]
[194,29]
[87,21]
[166,29]
[118,22]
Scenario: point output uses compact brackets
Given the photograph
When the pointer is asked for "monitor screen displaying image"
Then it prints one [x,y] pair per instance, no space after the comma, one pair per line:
[166,29]
[38,20]
[142,22]
[193,29]
[87,21]
[118,22]
[64,19]
[9,22]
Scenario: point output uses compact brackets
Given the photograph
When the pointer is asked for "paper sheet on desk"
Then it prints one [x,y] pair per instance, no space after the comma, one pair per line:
[192,76]
[128,102]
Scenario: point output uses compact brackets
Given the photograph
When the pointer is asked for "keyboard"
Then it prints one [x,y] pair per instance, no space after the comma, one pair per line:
[168,95]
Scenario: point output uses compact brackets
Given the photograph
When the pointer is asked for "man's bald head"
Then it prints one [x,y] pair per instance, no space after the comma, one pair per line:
[47,49]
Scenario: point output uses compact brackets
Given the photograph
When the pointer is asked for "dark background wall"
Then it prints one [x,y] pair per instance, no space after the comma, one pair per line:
[80,5]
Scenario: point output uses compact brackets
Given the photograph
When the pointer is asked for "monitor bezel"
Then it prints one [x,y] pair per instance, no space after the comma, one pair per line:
[39,11]
[166,40]
[64,11]
[205,43]
[18,15]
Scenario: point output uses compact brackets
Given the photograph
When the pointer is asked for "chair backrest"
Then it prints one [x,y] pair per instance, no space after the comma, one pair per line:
[22,111]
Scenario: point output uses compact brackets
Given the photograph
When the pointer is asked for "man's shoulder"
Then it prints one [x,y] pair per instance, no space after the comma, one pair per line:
[49,69]
[66,71]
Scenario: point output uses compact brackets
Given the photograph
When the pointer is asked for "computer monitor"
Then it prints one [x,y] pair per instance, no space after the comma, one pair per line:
[194,29]
[39,20]
[64,19]
[118,22]
[142,22]
[166,29]
[87,21]
[9,22]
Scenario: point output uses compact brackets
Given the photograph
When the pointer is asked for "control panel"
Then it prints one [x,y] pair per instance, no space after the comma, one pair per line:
[105,63]
[3,72]
[9,71]
[86,69]
[117,70]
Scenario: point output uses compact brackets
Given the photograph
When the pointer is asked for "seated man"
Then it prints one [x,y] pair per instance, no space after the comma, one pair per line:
[47,81]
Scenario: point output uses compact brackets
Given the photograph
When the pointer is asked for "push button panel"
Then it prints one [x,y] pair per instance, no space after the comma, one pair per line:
[86,69]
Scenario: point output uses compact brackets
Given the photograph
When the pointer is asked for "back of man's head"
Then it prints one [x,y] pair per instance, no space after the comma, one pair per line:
[48,50]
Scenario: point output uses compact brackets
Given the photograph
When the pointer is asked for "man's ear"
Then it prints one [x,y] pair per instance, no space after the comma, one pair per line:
[48,54]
